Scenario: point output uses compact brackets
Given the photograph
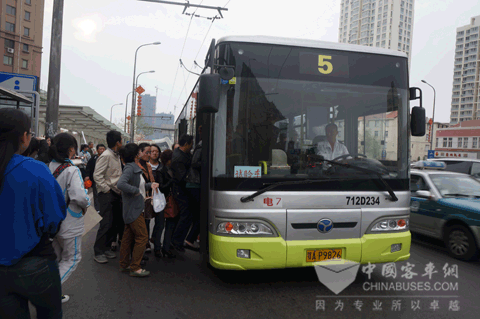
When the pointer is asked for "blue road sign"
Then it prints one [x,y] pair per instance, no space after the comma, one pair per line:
[431,154]
[18,82]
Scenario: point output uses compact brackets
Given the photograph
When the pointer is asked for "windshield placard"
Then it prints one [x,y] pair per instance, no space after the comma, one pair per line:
[248,172]
[324,65]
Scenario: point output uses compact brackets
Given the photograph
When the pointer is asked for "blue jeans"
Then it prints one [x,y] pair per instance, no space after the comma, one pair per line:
[34,279]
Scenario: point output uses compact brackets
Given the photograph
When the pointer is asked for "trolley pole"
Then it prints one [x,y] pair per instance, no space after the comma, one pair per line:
[53,94]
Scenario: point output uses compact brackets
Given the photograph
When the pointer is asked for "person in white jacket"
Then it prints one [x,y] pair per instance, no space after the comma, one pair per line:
[67,242]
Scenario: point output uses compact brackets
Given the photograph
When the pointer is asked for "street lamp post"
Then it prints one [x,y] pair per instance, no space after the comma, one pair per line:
[126,108]
[132,133]
[111,109]
[136,83]
[433,114]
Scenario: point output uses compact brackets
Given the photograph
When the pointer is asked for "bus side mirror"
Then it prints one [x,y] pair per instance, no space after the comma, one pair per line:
[209,93]
[417,121]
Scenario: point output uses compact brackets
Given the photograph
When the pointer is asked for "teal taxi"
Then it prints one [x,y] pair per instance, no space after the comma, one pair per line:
[446,205]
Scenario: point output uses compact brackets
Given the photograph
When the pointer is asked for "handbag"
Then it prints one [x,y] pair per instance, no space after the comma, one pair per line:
[149,211]
[171,209]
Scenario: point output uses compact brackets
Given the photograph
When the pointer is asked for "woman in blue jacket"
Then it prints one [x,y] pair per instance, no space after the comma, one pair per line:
[32,207]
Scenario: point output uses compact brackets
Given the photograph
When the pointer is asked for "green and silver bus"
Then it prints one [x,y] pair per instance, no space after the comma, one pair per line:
[305,152]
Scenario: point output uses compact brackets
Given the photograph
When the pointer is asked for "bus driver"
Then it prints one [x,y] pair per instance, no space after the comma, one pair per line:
[331,148]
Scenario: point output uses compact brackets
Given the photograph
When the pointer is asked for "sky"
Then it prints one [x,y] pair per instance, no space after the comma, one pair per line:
[100,38]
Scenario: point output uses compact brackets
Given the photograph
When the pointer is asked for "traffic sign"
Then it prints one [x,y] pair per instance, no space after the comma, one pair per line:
[139,89]
[18,82]
[431,154]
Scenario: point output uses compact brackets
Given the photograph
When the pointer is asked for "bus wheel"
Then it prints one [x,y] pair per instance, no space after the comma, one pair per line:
[460,243]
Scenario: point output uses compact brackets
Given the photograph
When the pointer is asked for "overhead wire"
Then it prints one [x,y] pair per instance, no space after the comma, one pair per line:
[178,65]
[194,60]
[206,34]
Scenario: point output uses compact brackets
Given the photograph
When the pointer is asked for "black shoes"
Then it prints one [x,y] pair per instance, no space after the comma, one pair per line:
[158,254]
[145,257]
[168,253]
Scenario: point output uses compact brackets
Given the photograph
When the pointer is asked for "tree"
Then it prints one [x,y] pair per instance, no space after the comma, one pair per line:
[373,146]
[142,127]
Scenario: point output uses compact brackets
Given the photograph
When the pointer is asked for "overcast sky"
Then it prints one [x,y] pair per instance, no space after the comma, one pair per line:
[100,38]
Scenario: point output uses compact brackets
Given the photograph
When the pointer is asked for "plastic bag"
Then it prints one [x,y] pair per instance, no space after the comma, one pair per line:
[159,201]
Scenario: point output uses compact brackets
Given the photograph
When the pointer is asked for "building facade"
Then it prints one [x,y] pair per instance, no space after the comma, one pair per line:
[459,140]
[465,93]
[158,121]
[163,126]
[21,32]
[377,23]
[149,104]
[381,137]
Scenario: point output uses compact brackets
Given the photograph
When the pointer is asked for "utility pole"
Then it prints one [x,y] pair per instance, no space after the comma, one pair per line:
[53,91]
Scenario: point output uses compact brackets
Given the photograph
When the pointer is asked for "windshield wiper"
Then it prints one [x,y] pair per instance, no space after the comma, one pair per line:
[393,197]
[390,191]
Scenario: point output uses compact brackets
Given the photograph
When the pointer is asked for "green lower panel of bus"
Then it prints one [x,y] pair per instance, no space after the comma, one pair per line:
[269,253]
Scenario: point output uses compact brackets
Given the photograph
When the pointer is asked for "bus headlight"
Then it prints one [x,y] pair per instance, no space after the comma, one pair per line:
[389,225]
[246,228]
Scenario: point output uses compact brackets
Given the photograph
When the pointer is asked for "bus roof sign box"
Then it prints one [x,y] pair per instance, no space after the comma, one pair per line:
[208,93]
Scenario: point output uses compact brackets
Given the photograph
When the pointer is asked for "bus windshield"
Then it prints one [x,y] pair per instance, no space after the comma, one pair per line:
[288,105]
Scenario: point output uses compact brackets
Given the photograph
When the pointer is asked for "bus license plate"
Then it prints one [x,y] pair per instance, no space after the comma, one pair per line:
[324,255]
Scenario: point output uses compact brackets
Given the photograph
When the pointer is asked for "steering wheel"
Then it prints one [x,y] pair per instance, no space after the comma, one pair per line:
[341,157]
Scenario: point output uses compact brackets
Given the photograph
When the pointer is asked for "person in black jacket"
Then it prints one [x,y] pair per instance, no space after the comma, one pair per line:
[165,179]
[90,170]
[181,162]
[193,191]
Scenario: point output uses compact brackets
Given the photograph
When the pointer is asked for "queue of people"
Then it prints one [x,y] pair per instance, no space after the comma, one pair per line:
[46,200]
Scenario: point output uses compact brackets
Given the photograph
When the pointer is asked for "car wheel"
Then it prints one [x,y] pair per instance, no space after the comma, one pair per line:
[460,242]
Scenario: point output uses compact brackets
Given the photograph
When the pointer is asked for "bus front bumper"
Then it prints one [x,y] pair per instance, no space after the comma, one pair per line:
[275,252]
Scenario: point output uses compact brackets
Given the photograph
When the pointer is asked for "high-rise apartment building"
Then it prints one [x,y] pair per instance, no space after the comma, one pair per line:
[21,31]
[465,93]
[149,104]
[377,23]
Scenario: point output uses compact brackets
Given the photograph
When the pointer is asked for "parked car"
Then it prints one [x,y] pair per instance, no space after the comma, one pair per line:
[446,205]
[461,165]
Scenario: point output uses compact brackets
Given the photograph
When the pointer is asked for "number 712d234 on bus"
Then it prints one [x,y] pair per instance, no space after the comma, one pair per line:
[305,152]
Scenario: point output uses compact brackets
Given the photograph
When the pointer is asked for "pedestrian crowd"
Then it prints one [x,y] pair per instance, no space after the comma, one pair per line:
[44,200]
